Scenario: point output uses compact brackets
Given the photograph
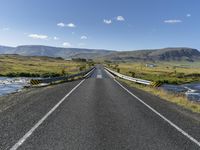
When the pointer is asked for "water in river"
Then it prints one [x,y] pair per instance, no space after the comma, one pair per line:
[11,85]
[192,90]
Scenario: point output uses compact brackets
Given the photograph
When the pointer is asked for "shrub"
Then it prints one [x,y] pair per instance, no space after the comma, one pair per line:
[82,68]
[180,75]
[22,74]
[46,75]
[11,74]
[63,72]
[132,73]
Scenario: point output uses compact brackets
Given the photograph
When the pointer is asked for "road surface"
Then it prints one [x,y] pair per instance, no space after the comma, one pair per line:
[97,113]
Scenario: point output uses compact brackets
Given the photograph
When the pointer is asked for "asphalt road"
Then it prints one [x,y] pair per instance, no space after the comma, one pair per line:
[94,114]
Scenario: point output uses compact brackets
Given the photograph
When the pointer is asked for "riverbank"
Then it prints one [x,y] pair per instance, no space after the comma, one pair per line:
[190,90]
[16,70]
[177,98]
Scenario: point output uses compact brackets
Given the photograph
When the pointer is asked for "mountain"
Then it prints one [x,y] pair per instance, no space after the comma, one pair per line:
[39,50]
[166,54]
[6,49]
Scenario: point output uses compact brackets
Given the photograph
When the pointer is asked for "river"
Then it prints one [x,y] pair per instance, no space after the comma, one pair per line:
[12,85]
[191,90]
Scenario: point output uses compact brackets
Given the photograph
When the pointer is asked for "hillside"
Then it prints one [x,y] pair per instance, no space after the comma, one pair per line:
[6,49]
[39,50]
[166,54]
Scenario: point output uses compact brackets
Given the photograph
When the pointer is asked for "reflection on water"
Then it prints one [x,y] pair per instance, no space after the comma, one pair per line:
[11,85]
[192,90]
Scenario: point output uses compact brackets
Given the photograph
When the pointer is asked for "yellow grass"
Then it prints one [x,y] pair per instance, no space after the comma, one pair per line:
[168,72]
[37,65]
[180,100]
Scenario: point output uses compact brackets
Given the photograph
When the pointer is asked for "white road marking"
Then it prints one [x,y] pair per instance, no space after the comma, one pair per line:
[24,138]
[99,73]
[89,73]
[160,115]
[109,74]
[99,76]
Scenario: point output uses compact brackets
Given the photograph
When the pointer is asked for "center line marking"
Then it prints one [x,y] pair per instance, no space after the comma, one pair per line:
[161,116]
[24,138]
[99,76]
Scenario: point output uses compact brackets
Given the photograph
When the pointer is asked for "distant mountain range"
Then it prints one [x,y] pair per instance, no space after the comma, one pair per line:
[40,50]
[166,54]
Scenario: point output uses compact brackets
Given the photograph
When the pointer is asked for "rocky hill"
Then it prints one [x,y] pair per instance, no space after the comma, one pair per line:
[166,54]
[39,50]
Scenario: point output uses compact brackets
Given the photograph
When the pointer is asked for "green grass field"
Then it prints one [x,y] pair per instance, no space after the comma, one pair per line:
[15,65]
[165,72]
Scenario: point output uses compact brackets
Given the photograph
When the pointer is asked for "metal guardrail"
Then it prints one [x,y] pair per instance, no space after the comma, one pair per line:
[141,81]
[64,78]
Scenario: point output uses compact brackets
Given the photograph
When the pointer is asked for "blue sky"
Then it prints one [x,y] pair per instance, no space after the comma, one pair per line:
[102,24]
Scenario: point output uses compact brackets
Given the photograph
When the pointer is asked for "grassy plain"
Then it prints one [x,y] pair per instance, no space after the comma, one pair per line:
[15,65]
[165,72]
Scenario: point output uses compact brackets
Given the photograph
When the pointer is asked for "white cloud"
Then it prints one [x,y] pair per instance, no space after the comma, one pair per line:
[188,15]
[173,21]
[120,18]
[55,38]
[38,36]
[107,21]
[71,25]
[66,44]
[84,37]
[61,24]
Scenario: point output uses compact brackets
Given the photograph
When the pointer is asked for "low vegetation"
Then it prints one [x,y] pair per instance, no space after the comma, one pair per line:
[27,66]
[178,99]
[164,72]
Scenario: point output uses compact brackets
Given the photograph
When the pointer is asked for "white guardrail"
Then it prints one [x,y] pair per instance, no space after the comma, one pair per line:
[141,81]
